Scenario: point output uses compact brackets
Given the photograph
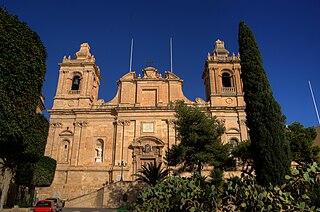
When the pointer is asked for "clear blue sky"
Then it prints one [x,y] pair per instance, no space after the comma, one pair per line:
[287,32]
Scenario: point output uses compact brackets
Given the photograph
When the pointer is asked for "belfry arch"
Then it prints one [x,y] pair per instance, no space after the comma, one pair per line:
[146,149]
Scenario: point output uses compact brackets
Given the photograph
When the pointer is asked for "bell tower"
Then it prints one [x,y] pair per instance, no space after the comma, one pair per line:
[221,77]
[79,80]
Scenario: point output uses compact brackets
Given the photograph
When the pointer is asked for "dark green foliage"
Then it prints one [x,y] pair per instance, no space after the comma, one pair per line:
[301,143]
[200,143]
[152,173]
[272,157]
[296,194]
[22,70]
[38,174]
[216,176]
[178,194]
[24,174]
[299,192]
[44,171]
[36,138]
[243,152]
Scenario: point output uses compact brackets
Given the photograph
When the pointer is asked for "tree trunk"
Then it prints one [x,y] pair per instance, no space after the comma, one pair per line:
[199,167]
[7,177]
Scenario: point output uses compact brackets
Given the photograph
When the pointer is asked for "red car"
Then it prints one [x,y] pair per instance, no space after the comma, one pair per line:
[45,206]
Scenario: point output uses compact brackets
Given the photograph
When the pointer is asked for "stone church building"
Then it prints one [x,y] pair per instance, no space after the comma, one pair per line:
[98,143]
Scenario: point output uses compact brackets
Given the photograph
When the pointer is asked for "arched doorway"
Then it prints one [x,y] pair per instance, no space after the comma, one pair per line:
[146,149]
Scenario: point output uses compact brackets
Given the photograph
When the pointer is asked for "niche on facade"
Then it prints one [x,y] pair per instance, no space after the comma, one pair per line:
[99,151]
[64,148]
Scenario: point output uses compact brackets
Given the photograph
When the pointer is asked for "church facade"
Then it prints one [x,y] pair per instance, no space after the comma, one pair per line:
[97,143]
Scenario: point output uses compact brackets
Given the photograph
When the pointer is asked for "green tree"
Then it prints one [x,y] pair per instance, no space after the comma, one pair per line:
[243,152]
[152,173]
[25,173]
[272,157]
[22,71]
[200,142]
[301,143]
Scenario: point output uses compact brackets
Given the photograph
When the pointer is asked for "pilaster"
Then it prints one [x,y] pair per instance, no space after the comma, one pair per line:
[53,140]
[77,141]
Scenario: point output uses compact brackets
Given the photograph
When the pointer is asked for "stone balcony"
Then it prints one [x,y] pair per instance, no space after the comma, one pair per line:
[228,90]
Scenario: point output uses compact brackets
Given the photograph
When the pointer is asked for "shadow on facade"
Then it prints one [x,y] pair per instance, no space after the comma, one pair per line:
[122,193]
[113,195]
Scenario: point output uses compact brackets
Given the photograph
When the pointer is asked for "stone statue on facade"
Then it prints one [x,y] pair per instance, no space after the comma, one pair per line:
[99,154]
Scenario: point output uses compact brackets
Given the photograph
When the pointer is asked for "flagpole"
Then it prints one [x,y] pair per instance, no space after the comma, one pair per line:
[171,54]
[131,50]
[314,102]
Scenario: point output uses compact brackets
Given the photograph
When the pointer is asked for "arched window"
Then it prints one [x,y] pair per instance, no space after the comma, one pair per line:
[75,83]
[233,142]
[226,80]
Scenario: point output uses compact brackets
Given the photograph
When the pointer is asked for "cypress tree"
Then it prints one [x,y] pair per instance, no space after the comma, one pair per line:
[271,151]
[22,71]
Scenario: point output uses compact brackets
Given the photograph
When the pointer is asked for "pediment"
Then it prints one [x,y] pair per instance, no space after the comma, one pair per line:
[170,75]
[232,130]
[151,140]
[66,133]
[129,76]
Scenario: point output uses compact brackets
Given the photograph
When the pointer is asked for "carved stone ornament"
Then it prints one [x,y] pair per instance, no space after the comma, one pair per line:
[123,122]
[150,72]
[80,123]
[200,101]
[222,121]
[147,148]
[243,121]
[56,124]
[229,100]
[171,121]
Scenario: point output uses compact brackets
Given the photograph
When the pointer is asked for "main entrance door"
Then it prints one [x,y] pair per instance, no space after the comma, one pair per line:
[147,149]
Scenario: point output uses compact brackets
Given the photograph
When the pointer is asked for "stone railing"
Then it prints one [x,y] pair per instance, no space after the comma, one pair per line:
[228,90]
[74,92]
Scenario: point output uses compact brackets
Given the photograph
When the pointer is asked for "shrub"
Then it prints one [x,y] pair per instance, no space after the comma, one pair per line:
[178,194]
[298,193]
[44,172]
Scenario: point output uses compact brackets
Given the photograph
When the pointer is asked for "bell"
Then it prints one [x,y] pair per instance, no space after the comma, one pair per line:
[76,81]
